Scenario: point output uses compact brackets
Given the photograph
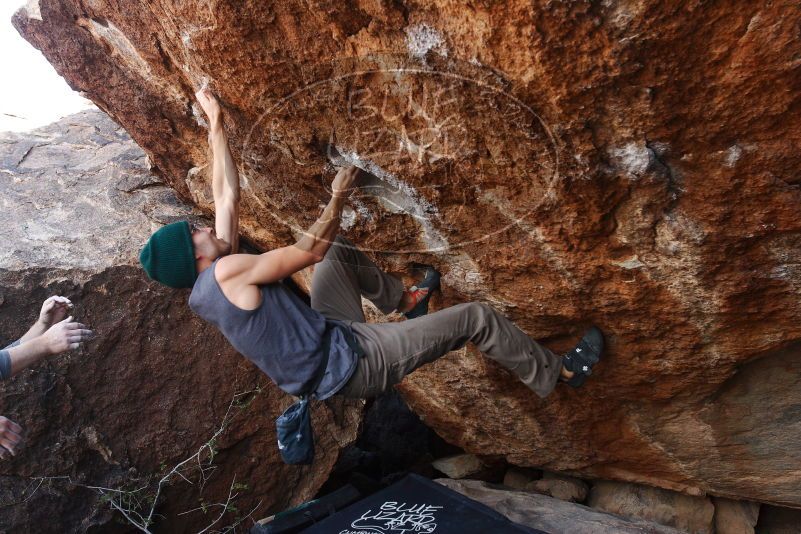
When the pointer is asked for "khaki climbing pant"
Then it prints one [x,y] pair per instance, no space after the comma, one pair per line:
[393,350]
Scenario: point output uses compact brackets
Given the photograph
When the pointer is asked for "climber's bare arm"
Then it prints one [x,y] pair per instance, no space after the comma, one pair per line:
[63,336]
[318,238]
[240,275]
[54,309]
[225,176]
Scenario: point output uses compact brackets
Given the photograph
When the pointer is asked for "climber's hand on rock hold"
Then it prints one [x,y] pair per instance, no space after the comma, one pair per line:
[65,335]
[10,436]
[344,182]
[54,309]
[210,105]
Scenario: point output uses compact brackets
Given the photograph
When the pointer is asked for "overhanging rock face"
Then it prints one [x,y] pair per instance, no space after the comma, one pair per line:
[155,385]
[630,164]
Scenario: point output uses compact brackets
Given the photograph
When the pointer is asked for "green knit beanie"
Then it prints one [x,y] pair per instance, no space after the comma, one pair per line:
[169,257]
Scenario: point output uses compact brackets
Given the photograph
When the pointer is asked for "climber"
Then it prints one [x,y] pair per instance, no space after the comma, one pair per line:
[243,296]
[51,334]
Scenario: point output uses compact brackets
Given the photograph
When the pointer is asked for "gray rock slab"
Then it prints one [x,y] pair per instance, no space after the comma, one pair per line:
[78,194]
[549,514]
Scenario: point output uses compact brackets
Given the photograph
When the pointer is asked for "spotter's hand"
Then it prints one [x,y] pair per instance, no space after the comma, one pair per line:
[54,309]
[343,184]
[65,335]
[10,437]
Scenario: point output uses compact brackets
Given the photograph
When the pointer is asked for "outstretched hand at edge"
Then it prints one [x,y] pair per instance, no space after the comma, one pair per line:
[54,309]
[65,335]
[10,437]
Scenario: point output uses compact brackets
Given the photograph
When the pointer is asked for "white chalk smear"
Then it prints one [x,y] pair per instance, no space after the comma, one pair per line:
[198,115]
[400,197]
[421,207]
[348,218]
[362,210]
[422,38]
[634,158]
[465,276]
[660,149]
[33,10]
[732,155]
[631,263]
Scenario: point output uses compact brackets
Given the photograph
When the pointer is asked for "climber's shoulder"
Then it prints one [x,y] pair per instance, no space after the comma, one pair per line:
[233,266]
[232,273]
[265,268]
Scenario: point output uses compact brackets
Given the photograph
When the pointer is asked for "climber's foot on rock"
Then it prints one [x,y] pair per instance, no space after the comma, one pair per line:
[414,302]
[411,297]
[577,364]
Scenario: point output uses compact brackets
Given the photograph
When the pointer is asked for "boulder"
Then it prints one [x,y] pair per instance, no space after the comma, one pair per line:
[156,386]
[549,514]
[735,517]
[560,487]
[684,512]
[516,478]
[458,466]
[628,164]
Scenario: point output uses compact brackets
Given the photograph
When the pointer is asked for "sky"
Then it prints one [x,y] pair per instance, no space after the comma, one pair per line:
[32,93]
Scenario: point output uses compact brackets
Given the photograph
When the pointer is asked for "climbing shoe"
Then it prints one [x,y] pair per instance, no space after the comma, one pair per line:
[430,282]
[584,356]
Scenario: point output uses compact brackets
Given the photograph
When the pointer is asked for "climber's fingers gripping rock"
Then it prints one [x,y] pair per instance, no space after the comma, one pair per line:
[209,103]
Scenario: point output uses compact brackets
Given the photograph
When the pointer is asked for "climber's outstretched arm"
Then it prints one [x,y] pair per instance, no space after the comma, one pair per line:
[63,336]
[52,333]
[225,176]
[241,274]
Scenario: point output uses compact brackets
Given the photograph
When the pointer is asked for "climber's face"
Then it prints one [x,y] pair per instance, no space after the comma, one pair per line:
[207,245]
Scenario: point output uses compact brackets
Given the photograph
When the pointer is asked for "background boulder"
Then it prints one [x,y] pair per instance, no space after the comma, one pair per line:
[684,512]
[155,385]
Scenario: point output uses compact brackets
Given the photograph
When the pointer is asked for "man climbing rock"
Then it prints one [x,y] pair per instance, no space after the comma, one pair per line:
[243,296]
[51,334]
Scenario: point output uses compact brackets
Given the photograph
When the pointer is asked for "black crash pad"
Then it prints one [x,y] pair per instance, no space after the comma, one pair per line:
[416,505]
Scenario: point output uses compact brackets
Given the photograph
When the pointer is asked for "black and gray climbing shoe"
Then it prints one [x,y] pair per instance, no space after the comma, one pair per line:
[584,356]
[429,282]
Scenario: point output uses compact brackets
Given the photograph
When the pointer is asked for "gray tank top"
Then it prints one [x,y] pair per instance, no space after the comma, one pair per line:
[283,336]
